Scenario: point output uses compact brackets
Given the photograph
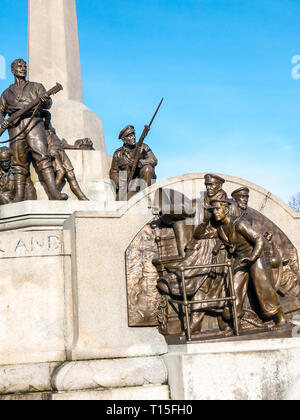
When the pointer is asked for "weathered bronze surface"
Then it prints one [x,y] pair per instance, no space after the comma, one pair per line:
[7,184]
[62,165]
[32,138]
[132,168]
[23,101]
[234,274]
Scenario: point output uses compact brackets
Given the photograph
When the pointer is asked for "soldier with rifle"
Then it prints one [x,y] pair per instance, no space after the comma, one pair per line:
[23,102]
[133,161]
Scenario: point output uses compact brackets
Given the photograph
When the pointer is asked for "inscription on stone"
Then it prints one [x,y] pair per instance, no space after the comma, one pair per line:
[31,244]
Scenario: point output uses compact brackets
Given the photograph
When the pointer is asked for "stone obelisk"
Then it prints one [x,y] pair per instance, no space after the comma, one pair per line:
[53,56]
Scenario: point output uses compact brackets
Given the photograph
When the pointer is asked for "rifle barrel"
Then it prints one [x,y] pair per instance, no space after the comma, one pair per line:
[156,112]
[139,145]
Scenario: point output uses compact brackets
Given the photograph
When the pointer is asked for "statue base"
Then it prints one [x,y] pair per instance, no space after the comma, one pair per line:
[236,370]
[90,167]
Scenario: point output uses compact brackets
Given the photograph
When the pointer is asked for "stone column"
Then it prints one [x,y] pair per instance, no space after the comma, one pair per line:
[53,56]
[53,49]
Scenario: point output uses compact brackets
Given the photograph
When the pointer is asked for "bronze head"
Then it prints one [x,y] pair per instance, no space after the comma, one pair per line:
[220,209]
[5,158]
[213,184]
[19,68]
[241,196]
[127,135]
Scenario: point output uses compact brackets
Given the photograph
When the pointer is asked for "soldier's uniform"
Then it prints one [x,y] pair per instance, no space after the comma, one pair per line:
[7,184]
[28,135]
[33,138]
[122,163]
[243,241]
[61,164]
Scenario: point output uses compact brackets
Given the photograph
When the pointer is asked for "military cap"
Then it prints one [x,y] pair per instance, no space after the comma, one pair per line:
[218,200]
[243,190]
[213,178]
[129,129]
[5,153]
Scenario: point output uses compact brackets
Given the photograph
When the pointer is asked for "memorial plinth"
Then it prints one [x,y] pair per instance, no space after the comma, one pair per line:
[252,370]
[64,310]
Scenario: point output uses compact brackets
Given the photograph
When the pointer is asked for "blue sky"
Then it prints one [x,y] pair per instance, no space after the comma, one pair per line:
[224,68]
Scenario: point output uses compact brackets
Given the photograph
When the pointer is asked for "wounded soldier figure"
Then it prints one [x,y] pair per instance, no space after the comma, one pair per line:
[246,246]
[62,165]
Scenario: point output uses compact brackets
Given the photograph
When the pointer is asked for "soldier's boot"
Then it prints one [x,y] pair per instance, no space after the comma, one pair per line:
[30,191]
[196,321]
[75,188]
[280,318]
[224,326]
[48,177]
[59,178]
[20,181]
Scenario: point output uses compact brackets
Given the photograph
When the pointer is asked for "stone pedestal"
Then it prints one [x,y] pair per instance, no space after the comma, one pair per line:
[32,296]
[53,56]
[251,370]
[89,169]
[64,330]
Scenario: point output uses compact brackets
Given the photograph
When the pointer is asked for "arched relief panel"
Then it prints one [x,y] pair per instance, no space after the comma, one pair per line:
[143,298]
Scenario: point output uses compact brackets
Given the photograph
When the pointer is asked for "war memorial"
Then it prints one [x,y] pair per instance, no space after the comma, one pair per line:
[116,286]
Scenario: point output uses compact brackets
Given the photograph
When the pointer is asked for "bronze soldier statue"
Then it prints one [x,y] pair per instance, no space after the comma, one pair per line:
[241,198]
[63,167]
[123,160]
[247,245]
[7,184]
[28,134]
[203,248]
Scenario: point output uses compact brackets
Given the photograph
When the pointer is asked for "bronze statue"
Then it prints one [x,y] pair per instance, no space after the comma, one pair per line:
[241,197]
[62,165]
[203,248]
[27,133]
[246,245]
[279,252]
[133,162]
[241,247]
[7,183]
[123,160]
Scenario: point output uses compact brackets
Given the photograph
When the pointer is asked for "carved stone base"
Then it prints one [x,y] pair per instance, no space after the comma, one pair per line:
[245,370]
[127,378]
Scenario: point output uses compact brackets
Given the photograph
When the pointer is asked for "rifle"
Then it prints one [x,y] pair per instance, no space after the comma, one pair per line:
[138,148]
[18,115]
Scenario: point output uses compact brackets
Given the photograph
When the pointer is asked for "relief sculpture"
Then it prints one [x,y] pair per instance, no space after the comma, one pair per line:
[230,275]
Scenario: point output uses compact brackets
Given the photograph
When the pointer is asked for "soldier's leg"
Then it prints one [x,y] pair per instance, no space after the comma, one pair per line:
[266,294]
[20,167]
[30,191]
[75,188]
[196,320]
[6,197]
[37,142]
[58,168]
[240,281]
[64,164]
[147,173]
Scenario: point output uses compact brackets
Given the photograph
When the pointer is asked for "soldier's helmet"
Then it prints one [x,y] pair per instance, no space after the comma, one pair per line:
[129,129]
[240,191]
[209,178]
[5,154]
